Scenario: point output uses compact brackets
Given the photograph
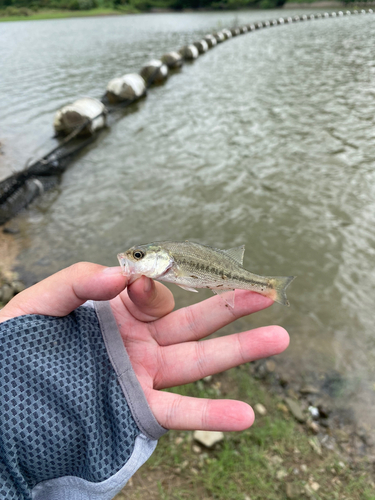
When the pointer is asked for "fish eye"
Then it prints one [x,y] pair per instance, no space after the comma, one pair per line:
[138,254]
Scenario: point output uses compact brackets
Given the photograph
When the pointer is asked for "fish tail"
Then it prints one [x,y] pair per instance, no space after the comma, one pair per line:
[278,285]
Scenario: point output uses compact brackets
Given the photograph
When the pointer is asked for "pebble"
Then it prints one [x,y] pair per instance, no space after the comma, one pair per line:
[292,491]
[304,468]
[196,448]
[314,427]
[314,486]
[6,293]
[208,438]
[315,445]
[179,440]
[259,408]
[17,286]
[280,474]
[309,389]
[314,412]
[295,409]
[270,366]
[282,407]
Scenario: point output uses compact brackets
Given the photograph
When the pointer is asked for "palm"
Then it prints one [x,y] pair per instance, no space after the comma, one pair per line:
[165,351]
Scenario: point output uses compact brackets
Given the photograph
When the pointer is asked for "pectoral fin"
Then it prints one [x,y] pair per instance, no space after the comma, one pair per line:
[228,297]
[188,288]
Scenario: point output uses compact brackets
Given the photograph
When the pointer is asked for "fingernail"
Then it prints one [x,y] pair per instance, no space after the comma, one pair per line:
[112,270]
[147,285]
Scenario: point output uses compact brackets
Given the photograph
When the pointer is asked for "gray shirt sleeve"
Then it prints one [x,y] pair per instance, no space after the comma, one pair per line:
[75,422]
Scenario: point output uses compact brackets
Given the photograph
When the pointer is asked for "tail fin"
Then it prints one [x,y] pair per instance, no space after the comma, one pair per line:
[279,285]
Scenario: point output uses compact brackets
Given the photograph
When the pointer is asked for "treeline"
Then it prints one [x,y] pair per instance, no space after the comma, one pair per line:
[16,6]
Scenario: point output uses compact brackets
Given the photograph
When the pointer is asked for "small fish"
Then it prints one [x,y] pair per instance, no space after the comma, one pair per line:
[191,265]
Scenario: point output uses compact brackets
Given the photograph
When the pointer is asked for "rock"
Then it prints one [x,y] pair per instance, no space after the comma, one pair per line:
[314,412]
[314,427]
[283,408]
[196,448]
[6,293]
[309,389]
[270,365]
[179,440]
[207,379]
[314,486]
[315,445]
[17,286]
[280,474]
[304,468]
[11,230]
[295,409]
[292,491]
[208,438]
[259,408]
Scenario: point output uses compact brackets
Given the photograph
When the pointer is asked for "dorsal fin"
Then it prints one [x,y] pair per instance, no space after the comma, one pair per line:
[236,253]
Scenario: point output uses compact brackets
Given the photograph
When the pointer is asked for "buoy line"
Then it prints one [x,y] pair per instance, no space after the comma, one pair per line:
[81,122]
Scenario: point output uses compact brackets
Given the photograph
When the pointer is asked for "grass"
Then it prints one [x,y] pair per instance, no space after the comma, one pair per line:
[61,14]
[271,460]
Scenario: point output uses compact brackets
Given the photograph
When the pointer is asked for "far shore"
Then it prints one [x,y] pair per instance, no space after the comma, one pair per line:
[62,14]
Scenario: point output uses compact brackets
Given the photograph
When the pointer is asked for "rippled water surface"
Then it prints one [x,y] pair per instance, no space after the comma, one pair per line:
[266,140]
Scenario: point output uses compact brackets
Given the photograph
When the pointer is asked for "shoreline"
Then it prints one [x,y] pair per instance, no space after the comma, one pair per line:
[102,12]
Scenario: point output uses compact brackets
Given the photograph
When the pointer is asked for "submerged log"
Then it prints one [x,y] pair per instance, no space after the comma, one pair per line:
[126,88]
[189,52]
[154,72]
[173,60]
[75,115]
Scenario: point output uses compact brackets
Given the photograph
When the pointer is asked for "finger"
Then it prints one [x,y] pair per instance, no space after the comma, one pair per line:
[173,411]
[147,300]
[206,317]
[188,362]
[61,293]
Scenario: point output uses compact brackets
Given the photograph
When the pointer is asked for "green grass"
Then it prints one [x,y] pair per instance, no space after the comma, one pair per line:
[257,463]
[61,14]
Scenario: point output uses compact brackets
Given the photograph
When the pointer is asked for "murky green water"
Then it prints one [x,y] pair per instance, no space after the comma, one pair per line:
[266,140]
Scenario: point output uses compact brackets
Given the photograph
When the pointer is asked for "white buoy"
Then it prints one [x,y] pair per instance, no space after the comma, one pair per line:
[211,40]
[227,33]
[219,36]
[173,60]
[189,52]
[244,29]
[202,46]
[126,87]
[154,72]
[235,31]
[86,109]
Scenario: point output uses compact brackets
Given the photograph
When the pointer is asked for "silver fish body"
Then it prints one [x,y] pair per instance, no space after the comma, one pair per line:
[192,265]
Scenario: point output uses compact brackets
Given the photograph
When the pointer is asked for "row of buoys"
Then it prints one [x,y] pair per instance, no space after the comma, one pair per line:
[89,114]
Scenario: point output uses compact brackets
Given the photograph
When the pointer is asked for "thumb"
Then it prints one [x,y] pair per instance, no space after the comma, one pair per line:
[61,293]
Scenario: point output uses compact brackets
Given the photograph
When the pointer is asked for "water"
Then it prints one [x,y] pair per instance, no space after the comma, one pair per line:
[266,140]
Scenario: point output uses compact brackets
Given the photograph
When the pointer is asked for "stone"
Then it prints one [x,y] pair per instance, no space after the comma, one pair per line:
[179,440]
[259,408]
[281,473]
[292,491]
[283,408]
[270,365]
[315,445]
[309,389]
[314,412]
[304,468]
[17,286]
[196,448]
[208,438]
[314,427]
[295,409]
[314,486]
[6,293]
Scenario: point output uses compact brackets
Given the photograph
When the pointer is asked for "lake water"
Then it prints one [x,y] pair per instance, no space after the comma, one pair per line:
[266,140]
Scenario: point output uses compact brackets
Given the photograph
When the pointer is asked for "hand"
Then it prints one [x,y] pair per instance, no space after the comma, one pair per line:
[163,345]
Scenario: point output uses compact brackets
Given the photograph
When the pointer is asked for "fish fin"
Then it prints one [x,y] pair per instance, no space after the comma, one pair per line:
[188,288]
[228,298]
[279,285]
[236,253]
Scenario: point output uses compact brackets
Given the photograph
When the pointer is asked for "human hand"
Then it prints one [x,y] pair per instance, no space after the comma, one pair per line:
[163,346]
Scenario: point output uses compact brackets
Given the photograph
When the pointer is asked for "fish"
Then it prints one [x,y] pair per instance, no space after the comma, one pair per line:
[192,265]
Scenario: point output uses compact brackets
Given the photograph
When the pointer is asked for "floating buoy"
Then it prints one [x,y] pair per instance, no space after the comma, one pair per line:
[235,31]
[202,46]
[173,60]
[219,36]
[154,72]
[75,115]
[189,52]
[126,88]
[227,33]
[244,29]
[211,40]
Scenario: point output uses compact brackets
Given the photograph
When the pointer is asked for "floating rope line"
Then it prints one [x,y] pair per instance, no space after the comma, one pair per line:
[18,190]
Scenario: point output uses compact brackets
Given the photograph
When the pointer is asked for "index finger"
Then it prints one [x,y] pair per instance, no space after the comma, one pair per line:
[206,317]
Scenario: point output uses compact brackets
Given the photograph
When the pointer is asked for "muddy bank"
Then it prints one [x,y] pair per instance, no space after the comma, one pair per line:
[10,284]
